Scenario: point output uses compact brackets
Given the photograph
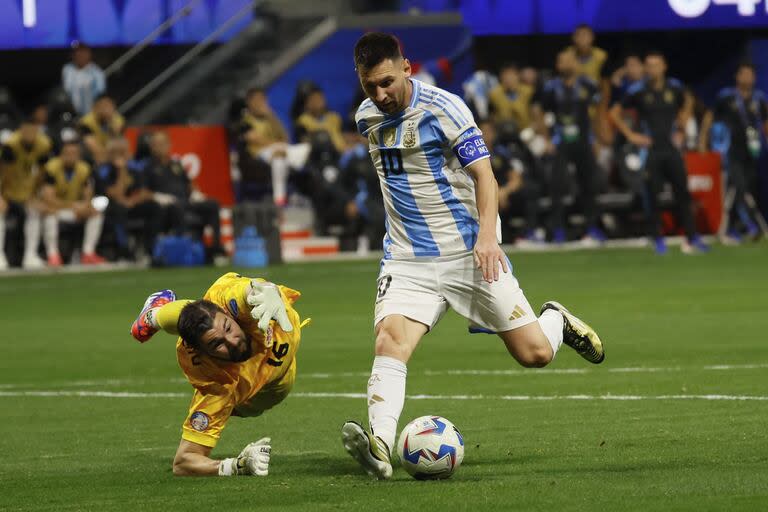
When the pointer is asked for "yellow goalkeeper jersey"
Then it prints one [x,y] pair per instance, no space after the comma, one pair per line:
[222,388]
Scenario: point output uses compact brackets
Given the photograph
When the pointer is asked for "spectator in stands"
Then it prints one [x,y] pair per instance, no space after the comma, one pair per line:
[176,194]
[129,198]
[21,160]
[563,108]
[663,106]
[591,59]
[511,99]
[83,80]
[262,139]
[631,73]
[317,117]
[100,125]
[741,113]
[67,193]
[360,174]
[518,190]
[477,92]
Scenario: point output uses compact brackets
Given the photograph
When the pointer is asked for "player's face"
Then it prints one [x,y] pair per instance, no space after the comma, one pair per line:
[70,154]
[386,84]
[655,67]
[745,78]
[510,78]
[566,63]
[160,145]
[105,108]
[583,39]
[226,341]
[635,69]
[28,133]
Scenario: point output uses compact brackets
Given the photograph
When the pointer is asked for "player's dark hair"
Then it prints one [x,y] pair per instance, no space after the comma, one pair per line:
[375,47]
[195,319]
[251,92]
[104,96]
[509,65]
[746,64]
[656,53]
[583,26]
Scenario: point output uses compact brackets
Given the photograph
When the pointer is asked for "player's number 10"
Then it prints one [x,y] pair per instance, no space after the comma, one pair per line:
[391,161]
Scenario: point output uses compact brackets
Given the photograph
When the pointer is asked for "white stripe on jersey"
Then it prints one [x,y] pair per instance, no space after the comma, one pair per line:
[428,197]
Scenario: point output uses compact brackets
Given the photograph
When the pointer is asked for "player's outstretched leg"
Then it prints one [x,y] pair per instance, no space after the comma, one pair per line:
[367,449]
[144,327]
[577,334]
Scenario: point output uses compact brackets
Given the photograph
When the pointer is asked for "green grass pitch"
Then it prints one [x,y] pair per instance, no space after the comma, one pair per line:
[663,430]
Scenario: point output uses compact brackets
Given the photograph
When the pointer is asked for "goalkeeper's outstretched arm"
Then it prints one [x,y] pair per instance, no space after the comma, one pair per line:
[193,459]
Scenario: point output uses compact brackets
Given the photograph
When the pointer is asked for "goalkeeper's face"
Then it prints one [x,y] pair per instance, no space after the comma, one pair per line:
[226,340]
[386,84]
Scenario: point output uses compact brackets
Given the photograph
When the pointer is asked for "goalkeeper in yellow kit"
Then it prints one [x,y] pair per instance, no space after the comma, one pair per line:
[237,347]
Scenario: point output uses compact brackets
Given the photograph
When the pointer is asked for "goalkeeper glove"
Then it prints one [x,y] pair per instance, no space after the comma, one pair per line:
[268,304]
[252,461]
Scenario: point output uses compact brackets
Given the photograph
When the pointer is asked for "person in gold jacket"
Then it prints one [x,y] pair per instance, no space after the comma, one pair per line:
[511,99]
[317,117]
[67,194]
[263,143]
[591,58]
[21,159]
[100,125]
[237,348]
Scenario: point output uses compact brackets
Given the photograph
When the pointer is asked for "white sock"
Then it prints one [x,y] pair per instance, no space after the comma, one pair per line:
[92,233]
[31,231]
[51,234]
[386,397]
[279,178]
[551,323]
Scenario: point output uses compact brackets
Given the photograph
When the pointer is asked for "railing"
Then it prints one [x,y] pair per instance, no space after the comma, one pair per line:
[120,63]
[185,59]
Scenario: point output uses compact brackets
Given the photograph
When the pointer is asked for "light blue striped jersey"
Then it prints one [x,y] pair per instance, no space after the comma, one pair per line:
[420,154]
[83,86]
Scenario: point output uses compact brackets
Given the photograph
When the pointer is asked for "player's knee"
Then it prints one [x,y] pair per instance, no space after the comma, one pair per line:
[389,343]
[537,356]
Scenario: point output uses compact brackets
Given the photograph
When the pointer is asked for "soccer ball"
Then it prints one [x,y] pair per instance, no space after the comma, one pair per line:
[430,448]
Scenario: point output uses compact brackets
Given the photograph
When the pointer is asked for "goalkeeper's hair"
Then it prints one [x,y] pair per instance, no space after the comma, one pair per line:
[195,319]
[375,47]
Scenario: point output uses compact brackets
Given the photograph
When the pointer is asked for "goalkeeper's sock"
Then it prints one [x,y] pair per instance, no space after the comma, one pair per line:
[551,322]
[167,317]
[386,397]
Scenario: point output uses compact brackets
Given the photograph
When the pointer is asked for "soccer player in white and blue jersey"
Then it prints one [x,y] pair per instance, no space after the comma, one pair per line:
[442,244]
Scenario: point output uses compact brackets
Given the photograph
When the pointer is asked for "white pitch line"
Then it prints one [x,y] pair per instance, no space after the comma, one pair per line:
[427,373]
[357,396]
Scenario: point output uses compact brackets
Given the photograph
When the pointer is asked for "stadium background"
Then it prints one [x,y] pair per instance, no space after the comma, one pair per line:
[674,421]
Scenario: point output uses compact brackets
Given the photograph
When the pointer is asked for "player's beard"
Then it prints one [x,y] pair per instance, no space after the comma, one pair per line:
[242,355]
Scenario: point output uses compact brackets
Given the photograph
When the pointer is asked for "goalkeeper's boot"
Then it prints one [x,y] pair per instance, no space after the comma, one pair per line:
[578,335]
[367,449]
[142,328]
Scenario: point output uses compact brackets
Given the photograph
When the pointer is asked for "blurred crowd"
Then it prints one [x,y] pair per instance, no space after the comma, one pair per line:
[68,177]
[579,154]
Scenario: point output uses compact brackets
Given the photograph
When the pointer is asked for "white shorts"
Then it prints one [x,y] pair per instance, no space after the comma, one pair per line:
[423,291]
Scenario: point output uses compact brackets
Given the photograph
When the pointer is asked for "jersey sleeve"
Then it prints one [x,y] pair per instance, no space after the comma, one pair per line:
[207,416]
[461,132]
[230,292]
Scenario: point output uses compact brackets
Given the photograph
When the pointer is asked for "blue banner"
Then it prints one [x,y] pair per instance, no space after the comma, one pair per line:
[517,17]
[57,23]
